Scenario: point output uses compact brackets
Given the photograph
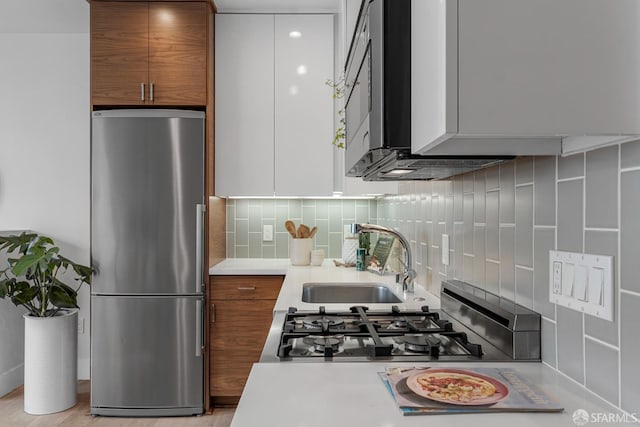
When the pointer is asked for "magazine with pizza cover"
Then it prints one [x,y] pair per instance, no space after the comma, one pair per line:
[439,390]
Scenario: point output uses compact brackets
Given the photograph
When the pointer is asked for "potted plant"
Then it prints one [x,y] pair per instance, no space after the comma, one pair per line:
[32,280]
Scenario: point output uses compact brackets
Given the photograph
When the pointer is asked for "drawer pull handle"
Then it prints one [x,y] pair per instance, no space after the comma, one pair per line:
[246,288]
[213,313]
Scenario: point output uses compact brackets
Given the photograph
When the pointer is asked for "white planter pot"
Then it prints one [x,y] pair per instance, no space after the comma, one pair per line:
[50,362]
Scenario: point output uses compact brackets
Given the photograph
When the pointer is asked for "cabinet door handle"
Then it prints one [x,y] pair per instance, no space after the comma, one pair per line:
[213,313]
[246,288]
[151,91]
[142,92]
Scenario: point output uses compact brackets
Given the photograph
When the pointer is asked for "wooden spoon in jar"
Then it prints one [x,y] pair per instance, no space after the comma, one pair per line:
[291,228]
[313,232]
[303,231]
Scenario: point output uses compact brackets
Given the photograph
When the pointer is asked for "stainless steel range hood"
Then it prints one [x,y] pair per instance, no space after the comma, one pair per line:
[401,165]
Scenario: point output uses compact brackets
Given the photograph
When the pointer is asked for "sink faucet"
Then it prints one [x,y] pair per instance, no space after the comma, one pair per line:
[409,274]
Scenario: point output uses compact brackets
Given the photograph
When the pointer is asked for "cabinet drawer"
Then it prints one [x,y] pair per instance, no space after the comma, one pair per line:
[245,287]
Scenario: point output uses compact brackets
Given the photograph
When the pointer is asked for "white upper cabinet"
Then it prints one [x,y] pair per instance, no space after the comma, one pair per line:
[274,113]
[304,105]
[519,77]
[244,100]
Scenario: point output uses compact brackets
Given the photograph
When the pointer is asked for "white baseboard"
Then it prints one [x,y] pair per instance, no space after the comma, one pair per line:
[11,379]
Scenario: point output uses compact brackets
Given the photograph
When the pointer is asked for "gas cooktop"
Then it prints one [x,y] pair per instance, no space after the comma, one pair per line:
[473,325]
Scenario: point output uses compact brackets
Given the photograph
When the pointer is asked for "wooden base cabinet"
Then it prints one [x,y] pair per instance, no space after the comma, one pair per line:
[240,315]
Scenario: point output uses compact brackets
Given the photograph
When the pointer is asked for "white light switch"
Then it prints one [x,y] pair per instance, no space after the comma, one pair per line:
[445,249]
[596,280]
[267,233]
[567,279]
[580,283]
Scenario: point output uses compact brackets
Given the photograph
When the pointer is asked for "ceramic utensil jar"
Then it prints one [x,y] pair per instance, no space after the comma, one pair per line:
[300,251]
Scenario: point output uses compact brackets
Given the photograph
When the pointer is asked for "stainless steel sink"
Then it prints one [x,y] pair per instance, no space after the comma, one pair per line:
[346,292]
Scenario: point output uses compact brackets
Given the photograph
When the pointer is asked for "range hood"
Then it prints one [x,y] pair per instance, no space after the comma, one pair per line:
[401,165]
[378,103]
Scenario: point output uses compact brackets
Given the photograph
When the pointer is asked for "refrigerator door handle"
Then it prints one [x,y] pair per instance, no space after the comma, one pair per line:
[198,328]
[200,210]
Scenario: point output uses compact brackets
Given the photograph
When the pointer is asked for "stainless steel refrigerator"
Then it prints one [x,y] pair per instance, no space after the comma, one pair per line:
[147,212]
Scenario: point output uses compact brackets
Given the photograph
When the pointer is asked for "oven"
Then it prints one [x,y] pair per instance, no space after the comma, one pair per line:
[471,325]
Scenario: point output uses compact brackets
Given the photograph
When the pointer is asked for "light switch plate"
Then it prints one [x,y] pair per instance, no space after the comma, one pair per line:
[267,233]
[582,282]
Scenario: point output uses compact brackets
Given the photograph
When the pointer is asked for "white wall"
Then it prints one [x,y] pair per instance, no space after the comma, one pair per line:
[44,157]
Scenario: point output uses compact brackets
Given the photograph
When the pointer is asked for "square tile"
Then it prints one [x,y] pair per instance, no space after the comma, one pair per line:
[548,342]
[545,190]
[570,225]
[507,266]
[570,343]
[571,166]
[604,243]
[544,241]
[629,231]
[524,170]
[601,183]
[524,287]
[629,348]
[524,226]
[601,370]
[479,194]
[493,225]
[630,155]
[507,193]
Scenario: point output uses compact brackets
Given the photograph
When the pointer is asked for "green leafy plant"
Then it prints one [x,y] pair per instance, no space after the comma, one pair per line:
[339,88]
[31,279]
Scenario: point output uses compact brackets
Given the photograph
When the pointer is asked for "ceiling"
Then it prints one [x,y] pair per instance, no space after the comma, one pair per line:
[278,6]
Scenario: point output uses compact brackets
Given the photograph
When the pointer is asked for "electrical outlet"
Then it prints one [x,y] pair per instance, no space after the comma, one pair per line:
[267,233]
[80,325]
[582,282]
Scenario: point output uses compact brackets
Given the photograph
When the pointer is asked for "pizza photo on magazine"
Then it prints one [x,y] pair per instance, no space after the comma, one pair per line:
[459,387]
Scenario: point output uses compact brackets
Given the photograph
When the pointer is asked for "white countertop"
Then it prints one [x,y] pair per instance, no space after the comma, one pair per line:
[296,276]
[251,266]
[352,395]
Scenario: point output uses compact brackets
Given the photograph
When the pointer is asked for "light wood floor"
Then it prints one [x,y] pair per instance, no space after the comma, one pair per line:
[12,415]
